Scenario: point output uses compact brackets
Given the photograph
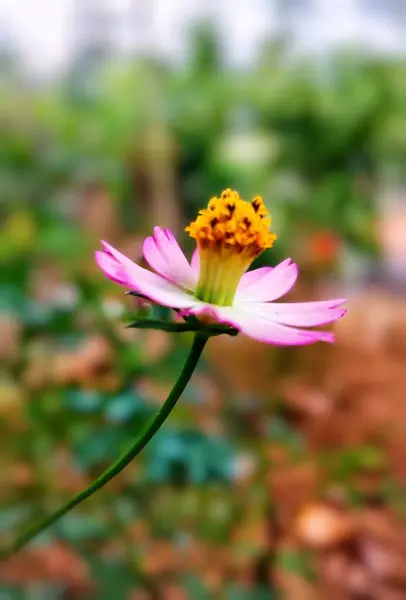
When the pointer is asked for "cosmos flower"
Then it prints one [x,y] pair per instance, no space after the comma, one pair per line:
[215,286]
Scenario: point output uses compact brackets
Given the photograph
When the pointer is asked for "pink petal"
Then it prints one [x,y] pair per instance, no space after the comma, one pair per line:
[308,306]
[122,270]
[195,263]
[163,254]
[292,314]
[110,267]
[252,277]
[269,284]
[258,327]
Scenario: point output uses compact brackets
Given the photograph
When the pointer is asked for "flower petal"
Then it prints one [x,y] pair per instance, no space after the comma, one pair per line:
[195,263]
[122,270]
[309,306]
[297,316]
[260,328]
[163,254]
[251,277]
[269,284]
[110,267]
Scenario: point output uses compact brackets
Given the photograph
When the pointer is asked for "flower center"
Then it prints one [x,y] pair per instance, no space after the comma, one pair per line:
[229,233]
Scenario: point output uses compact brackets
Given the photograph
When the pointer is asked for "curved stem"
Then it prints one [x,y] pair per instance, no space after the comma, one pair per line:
[145,436]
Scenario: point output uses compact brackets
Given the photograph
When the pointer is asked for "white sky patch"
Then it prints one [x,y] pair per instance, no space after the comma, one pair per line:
[39,30]
[43,31]
[346,23]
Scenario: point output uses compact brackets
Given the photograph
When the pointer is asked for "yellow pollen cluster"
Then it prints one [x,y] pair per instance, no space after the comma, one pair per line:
[230,222]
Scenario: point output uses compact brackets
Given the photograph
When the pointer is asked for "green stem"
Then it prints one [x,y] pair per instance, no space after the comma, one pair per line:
[145,436]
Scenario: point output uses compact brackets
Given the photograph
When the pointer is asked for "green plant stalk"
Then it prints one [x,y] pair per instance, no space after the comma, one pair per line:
[145,436]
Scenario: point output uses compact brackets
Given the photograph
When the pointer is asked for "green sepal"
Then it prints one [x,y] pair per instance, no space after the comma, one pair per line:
[191,324]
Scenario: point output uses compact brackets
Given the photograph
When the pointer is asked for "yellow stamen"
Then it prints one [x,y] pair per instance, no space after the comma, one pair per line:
[229,233]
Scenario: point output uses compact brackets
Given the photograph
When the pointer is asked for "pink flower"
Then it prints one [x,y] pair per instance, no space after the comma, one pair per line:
[215,286]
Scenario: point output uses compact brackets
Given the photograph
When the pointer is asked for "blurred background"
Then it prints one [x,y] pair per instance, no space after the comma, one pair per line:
[281,473]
